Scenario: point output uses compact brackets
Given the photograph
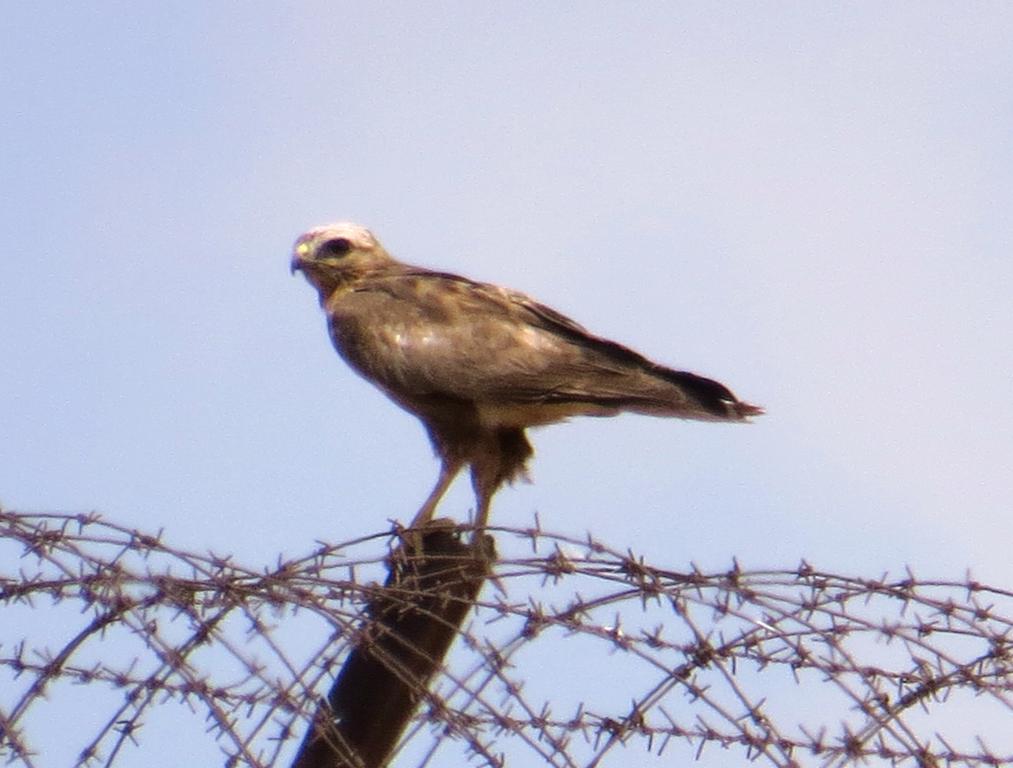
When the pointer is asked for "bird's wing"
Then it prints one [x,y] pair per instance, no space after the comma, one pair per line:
[423,333]
[698,396]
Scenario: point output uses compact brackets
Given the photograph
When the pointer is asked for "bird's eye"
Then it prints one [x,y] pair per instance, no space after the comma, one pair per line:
[338,246]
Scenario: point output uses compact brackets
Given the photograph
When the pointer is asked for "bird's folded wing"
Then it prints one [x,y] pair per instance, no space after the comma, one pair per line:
[439,334]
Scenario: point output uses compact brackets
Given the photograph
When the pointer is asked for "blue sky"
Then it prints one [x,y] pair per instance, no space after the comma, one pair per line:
[809,202]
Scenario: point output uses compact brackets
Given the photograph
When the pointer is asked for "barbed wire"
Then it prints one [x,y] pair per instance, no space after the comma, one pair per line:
[117,647]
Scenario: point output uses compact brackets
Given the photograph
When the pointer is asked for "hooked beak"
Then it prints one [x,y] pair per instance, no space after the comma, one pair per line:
[300,257]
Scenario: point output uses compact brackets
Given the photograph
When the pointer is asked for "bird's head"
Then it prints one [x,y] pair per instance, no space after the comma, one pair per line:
[335,254]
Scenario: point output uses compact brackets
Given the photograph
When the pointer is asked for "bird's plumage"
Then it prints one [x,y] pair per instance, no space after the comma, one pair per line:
[478,363]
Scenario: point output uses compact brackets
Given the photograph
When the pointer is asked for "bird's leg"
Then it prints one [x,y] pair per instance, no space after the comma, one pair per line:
[483,499]
[485,480]
[501,459]
[448,471]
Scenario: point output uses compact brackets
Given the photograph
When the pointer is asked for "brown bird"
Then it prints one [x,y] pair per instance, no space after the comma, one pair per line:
[478,363]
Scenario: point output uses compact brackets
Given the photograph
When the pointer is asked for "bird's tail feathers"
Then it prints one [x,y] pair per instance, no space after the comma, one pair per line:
[713,400]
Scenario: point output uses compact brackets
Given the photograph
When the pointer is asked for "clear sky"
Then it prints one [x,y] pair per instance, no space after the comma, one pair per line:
[810,202]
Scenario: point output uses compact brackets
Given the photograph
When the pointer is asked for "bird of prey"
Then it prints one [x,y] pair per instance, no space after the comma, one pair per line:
[478,363]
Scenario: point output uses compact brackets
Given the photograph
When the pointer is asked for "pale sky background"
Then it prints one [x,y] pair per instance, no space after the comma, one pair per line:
[812,203]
